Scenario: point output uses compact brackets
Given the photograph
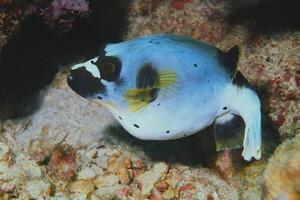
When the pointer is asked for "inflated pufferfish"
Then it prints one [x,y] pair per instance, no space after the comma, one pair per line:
[162,87]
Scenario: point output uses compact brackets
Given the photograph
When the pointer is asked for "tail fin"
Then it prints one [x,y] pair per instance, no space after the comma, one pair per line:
[244,101]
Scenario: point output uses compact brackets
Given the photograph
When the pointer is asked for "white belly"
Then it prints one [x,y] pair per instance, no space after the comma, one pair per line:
[169,119]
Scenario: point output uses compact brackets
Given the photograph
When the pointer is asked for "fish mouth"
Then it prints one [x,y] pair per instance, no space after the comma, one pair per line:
[84,83]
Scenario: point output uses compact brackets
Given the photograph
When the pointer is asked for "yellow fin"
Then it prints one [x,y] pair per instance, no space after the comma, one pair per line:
[166,78]
[139,98]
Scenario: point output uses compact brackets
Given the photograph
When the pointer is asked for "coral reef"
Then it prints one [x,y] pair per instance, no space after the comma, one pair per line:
[269,62]
[70,148]
[59,15]
[281,179]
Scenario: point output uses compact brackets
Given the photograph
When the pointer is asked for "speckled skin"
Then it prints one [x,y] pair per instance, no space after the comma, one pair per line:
[195,96]
[203,88]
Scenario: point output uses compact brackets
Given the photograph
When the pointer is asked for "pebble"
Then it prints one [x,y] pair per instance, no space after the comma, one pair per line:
[161,186]
[4,151]
[38,189]
[82,186]
[102,162]
[108,193]
[92,154]
[106,181]
[31,169]
[78,196]
[149,178]
[169,194]
[87,173]
[10,177]
[125,175]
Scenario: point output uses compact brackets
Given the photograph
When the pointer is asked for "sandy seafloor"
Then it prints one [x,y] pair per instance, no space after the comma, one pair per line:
[71,148]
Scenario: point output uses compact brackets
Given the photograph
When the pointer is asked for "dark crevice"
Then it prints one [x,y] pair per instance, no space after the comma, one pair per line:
[33,56]
[264,16]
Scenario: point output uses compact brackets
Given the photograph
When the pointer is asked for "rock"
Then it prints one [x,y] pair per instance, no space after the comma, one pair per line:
[30,168]
[173,178]
[106,181]
[4,151]
[108,193]
[92,154]
[161,186]
[38,189]
[125,172]
[149,178]
[155,195]
[23,195]
[10,177]
[95,197]
[169,194]
[121,166]
[63,163]
[124,193]
[87,173]
[281,179]
[78,196]
[82,186]
[137,195]
[113,164]
[59,197]
[102,162]
[224,164]
[125,175]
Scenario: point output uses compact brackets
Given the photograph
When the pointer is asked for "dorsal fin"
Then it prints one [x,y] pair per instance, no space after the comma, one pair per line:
[229,60]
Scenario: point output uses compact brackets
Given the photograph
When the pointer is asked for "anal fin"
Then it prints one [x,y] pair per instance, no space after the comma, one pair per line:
[229,132]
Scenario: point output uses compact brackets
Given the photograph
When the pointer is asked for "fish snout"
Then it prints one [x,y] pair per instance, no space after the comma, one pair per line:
[84,83]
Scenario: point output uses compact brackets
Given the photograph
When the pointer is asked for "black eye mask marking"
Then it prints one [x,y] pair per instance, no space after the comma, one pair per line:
[84,83]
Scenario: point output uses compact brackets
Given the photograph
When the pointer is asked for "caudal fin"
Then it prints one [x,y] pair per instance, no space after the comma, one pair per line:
[244,102]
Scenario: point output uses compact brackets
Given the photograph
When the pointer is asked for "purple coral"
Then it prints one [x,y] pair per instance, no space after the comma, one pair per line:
[62,13]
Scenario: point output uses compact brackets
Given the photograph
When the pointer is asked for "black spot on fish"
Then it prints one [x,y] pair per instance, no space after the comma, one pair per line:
[158,104]
[146,77]
[154,41]
[120,117]
[137,126]
[224,108]
[195,65]
[99,97]
[167,131]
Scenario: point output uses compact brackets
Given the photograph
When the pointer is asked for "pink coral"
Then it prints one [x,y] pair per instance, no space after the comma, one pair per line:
[62,13]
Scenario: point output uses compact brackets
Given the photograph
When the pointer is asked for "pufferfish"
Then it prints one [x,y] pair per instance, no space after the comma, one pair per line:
[164,87]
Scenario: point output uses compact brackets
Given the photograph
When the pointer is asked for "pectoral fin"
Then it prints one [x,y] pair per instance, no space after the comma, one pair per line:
[140,98]
[229,132]
[149,84]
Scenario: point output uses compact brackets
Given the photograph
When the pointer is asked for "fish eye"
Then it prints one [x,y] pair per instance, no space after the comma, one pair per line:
[109,67]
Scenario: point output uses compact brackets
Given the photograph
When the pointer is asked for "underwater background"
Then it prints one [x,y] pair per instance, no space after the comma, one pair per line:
[55,145]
